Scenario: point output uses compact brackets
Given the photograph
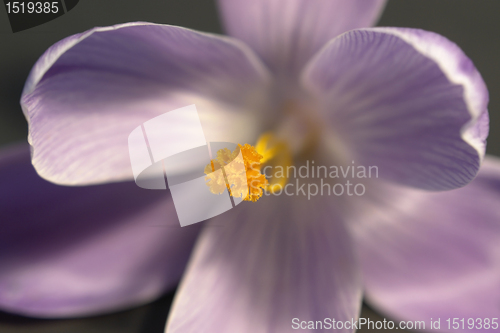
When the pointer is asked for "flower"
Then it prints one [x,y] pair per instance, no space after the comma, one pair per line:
[404,100]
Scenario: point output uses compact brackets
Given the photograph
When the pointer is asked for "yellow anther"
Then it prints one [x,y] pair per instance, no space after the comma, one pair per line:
[242,177]
[216,181]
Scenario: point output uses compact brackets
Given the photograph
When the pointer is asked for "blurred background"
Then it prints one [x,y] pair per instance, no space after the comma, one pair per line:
[473,25]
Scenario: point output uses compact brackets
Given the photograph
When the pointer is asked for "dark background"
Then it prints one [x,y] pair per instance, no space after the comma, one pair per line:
[472,24]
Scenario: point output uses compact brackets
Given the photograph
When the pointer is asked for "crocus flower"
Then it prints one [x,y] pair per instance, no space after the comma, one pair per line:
[407,101]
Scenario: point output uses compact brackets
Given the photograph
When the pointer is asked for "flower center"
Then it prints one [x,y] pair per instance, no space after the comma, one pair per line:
[296,135]
[299,127]
[242,177]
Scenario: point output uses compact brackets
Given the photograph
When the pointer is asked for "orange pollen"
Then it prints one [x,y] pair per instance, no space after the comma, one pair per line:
[247,182]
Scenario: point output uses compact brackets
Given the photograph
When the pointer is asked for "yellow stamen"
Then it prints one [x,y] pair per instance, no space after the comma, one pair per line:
[246,180]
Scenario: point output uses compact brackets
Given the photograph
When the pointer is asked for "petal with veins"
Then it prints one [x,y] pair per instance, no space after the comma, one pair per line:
[286,33]
[265,263]
[72,251]
[433,255]
[405,100]
[88,92]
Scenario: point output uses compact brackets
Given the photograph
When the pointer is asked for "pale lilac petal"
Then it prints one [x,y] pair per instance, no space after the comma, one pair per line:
[262,264]
[407,101]
[88,92]
[434,255]
[287,33]
[71,251]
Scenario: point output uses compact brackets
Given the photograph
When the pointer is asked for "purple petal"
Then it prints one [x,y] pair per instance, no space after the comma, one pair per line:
[407,101]
[276,260]
[89,91]
[67,251]
[287,33]
[434,255]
